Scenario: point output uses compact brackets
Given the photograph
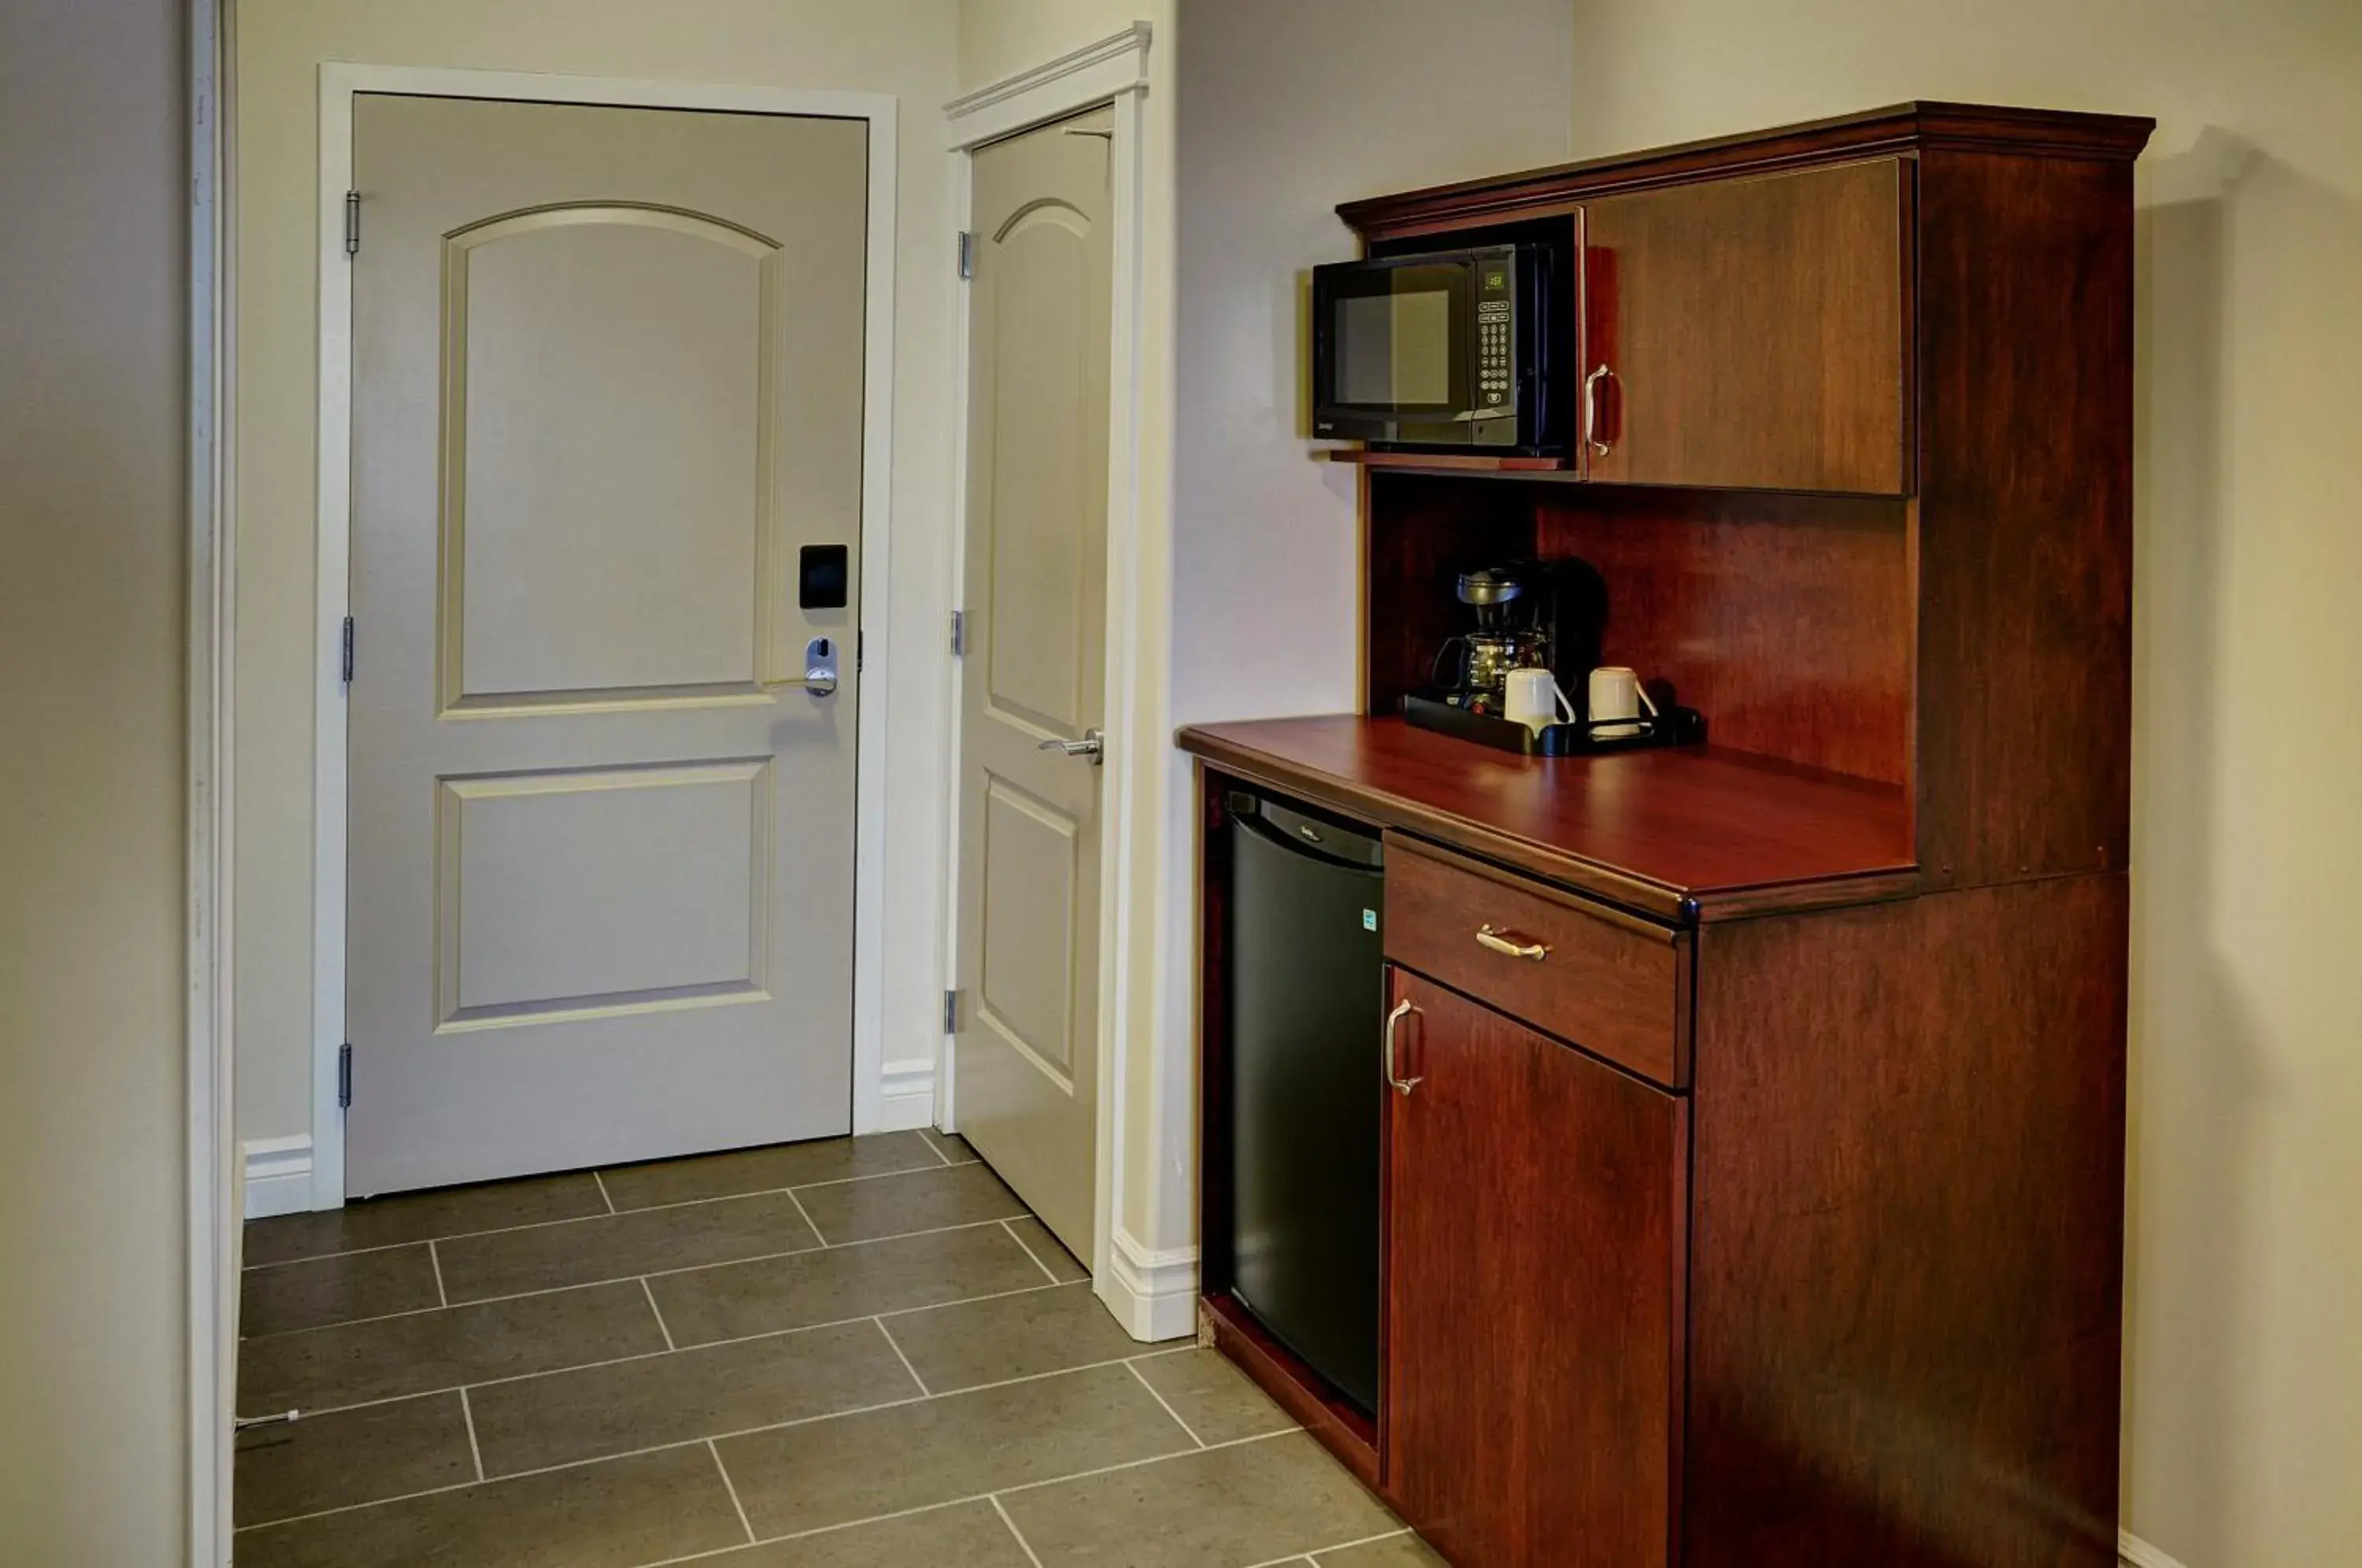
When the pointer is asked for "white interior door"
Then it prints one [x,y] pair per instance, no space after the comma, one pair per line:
[607,390]
[1025,1060]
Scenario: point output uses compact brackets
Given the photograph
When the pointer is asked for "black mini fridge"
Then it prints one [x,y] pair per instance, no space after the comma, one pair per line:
[1307,982]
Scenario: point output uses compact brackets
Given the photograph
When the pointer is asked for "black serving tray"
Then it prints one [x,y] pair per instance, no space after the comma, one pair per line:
[1671,726]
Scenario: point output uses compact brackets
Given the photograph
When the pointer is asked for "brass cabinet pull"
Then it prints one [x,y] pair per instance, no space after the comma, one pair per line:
[1511,944]
[1400,1086]
[1591,411]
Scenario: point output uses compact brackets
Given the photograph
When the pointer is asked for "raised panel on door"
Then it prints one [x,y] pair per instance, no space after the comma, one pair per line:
[1535,1224]
[1025,1056]
[1751,334]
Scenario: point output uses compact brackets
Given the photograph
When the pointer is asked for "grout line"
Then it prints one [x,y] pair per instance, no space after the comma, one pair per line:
[731,1488]
[1313,1556]
[1011,1226]
[806,1217]
[1160,1398]
[925,1392]
[610,1202]
[626,1278]
[442,1296]
[312,1410]
[1031,1555]
[612,1214]
[649,1291]
[805,1421]
[927,1136]
[475,1449]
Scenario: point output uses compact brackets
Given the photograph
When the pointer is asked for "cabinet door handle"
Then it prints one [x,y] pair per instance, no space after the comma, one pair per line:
[1591,412]
[1400,1086]
[1511,944]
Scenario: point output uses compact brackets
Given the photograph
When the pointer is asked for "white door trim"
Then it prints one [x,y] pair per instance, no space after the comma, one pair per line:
[212,1197]
[1114,70]
[338,82]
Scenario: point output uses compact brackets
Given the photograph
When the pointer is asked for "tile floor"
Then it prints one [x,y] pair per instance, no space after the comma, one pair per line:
[857,1353]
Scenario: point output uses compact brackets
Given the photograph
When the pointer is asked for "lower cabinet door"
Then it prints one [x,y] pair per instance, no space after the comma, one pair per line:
[1536,1206]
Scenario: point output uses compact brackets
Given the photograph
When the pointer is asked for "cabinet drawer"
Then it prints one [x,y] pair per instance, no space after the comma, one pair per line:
[1612,983]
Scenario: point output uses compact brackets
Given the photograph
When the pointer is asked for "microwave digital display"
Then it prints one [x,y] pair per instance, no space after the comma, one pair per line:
[1446,349]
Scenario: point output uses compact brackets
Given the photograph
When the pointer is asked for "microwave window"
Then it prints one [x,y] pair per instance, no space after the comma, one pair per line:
[1395,350]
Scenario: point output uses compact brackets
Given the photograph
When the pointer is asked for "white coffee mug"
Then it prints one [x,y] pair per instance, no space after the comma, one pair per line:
[1533,699]
[1616,693]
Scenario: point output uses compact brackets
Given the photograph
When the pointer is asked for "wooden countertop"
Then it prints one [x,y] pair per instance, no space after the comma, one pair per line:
[1683,833]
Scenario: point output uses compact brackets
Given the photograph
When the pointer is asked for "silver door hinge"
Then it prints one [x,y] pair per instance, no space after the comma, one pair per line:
[352,223]
[959,633]
[345,1074]
[346,661]
[967,253]
[951,1012]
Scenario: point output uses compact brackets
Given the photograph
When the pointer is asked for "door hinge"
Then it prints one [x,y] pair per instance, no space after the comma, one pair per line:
[344,1076]
[967,253]
[344,661]
[951,1012]
[959,633]
[860,650]
[352,223]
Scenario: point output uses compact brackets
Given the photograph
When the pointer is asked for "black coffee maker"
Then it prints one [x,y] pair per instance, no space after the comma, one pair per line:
[1542,614]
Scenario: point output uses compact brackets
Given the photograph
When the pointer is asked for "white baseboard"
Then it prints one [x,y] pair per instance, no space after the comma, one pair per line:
[2140,1554]
[1153,1294]
[907,1098]
[278,1175]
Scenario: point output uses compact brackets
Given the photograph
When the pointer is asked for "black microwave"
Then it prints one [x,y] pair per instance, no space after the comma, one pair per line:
[1449,348]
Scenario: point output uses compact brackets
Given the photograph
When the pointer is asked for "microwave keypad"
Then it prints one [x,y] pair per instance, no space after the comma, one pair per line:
[1493,352]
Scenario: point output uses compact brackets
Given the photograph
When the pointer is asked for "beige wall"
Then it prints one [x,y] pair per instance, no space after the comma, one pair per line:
[905,48]
[2245,1359]
[92,356]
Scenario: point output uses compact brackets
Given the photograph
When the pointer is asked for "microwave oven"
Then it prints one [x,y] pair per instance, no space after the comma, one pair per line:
[1446,349]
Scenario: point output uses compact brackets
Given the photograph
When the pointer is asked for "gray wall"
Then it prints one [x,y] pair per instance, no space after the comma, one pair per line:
[93,326]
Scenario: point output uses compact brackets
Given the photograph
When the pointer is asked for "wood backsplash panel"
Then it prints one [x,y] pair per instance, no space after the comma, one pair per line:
[1785,619]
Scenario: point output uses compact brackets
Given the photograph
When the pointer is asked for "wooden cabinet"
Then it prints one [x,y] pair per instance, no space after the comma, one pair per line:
[1535,1225]
[1749,333]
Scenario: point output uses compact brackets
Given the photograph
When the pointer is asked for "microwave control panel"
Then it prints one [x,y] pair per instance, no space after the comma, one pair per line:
[1497,297]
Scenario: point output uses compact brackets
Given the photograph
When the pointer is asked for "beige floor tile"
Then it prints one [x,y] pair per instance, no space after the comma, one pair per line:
[1396,1551]
[350,1362]
[918,1200]
[765,1169]
[283,1297]
[976,1342]
[1048,1249]
[811,1287]
[563,1418]
[954,1147]
[1225,1507]
[620,1514]
[423,1217]
[350,1456]
[1220,1403]
[964,1535]
[881,1462]
[581,1252]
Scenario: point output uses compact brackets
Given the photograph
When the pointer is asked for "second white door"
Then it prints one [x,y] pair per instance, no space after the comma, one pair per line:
[607,434]
[1025,1061]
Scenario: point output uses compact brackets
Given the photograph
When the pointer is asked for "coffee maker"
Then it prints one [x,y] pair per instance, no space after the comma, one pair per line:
[1545,613]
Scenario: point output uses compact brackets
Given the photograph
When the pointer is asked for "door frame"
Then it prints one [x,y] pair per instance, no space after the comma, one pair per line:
[1112,72]
[339,81]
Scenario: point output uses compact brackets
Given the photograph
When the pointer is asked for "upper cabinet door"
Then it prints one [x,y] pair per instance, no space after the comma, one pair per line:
[1751,333]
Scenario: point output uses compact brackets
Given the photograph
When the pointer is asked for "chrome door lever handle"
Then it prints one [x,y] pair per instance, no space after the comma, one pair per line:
[1093,745]
[1400,1086]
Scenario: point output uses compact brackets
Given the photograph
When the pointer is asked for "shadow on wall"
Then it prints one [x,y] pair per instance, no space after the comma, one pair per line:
[2243,657]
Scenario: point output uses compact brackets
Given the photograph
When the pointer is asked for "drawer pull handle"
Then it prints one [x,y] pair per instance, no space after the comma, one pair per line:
[1400,1086]
[1511,944]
